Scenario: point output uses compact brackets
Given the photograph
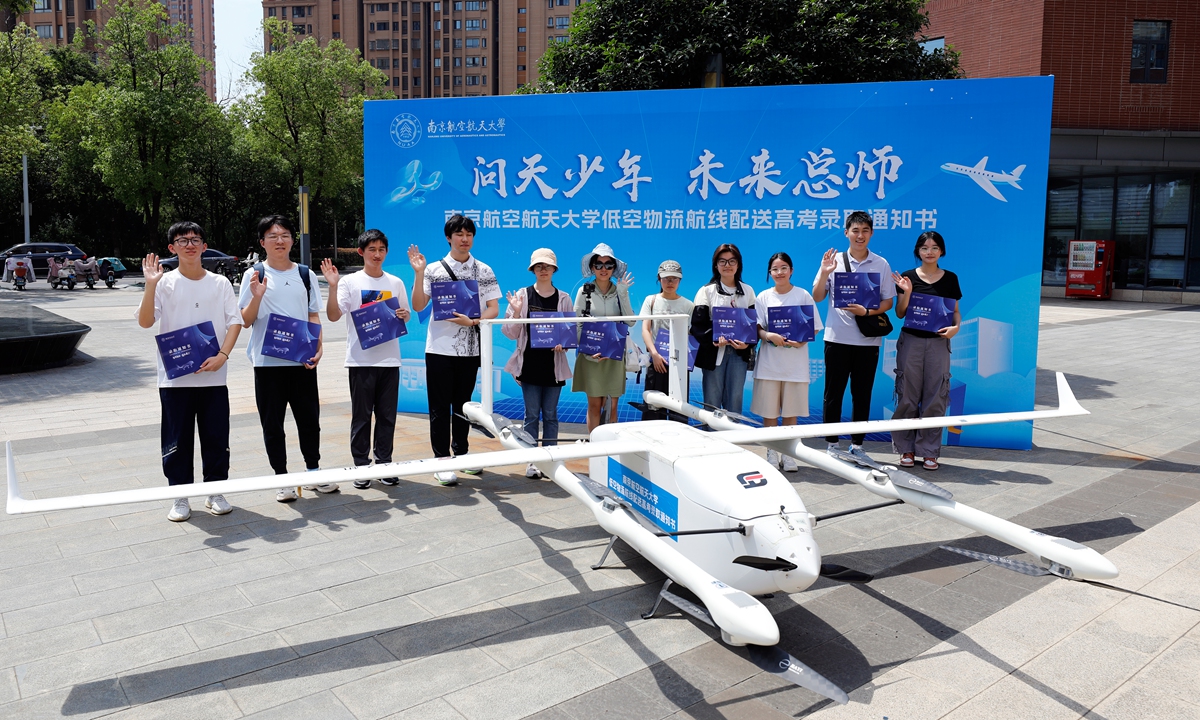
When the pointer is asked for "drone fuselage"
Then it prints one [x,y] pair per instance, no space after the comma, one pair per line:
[689,480]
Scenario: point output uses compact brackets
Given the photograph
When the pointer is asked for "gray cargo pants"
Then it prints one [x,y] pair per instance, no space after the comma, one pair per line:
[922,390]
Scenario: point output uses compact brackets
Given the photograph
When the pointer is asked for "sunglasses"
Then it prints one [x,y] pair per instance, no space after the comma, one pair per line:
[610,265]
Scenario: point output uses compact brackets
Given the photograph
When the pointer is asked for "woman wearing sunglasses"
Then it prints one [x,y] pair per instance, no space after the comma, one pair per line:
[602,378]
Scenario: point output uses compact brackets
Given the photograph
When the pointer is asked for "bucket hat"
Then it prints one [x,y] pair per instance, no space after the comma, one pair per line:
[604,250]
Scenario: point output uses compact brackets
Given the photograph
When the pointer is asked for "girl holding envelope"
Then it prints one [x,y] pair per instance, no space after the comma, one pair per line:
[724,362]
[599,377]
[781,375]
[541,372]
[923,355]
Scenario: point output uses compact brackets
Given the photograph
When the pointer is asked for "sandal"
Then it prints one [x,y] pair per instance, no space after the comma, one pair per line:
[930,464]
[906,460]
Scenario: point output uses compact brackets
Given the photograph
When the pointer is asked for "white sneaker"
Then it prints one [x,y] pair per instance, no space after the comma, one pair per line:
[789,464]
[858,452]
[446,477]
[832,446]
[287,494]
[180,511]
[218,505]
[773,458]
[327,488]
[531,471]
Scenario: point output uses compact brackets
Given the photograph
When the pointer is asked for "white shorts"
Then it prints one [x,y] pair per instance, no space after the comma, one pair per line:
[777,398]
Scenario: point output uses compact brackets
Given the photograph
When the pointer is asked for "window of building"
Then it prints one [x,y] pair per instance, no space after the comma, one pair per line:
[395,7]
[472,24]
[336,16]
[458,79]
[566,3]
[457,62]
[458,6]
[416,23]
[404,27]
[89,5]
[437,80]
[472,42]
[396,27]
[472,62]
[403,46]
[520,29]
[437,63]
[1148,61]
[42,6]
[416,80]
[520,48]
[458,24]
[933,44]
[561,38]
[395,81]
[336,35]
[437,7]
[549,22]
[472,79]
[370,44]
[395,63]
[520,68]
[416,8]
[270,12]
[404,64]
[1172,203]
[562,23]
[458,43]
[520,11]
[395,44]
[299,11]
[437,44]
[70,32]
[473,5]
[416,44]
[437,24]
[416,63]
[45,31]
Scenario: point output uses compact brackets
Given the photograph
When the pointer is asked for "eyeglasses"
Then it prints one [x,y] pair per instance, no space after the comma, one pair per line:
[727,262]
[610,265]
[278,236]
[189,240]
[543,267]
[779,270]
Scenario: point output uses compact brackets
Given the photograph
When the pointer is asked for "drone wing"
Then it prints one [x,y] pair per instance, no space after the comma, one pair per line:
[561,453]
[1067,405]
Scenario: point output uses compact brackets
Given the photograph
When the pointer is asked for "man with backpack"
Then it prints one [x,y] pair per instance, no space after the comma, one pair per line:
[281,287]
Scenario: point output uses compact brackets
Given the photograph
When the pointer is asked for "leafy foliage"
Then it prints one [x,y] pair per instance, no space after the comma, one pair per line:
[651,44]
[21,60]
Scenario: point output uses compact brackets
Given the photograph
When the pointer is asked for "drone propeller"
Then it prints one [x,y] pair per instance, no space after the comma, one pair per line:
[732,415]
[762,563]
[781,664]
[1019,566]
[501,422]
[844,574]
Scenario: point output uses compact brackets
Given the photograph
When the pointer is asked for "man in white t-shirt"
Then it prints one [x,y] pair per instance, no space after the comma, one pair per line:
[281,287]
[851,356]
[375,371]
[452,346]
[176,300]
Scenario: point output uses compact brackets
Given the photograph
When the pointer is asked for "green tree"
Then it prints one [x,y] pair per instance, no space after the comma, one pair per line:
[151,114]
[307,108]
[650,44]
[21,60]
[11,9]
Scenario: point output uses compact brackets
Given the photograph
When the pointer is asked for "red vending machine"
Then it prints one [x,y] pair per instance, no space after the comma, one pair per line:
[1089,268]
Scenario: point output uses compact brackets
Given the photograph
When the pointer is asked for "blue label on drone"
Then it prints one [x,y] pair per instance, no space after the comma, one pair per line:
[658,505]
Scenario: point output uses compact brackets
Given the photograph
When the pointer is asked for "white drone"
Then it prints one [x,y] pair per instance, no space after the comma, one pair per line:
[709,513]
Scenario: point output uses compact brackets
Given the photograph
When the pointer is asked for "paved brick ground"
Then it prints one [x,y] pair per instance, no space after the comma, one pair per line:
[477,602]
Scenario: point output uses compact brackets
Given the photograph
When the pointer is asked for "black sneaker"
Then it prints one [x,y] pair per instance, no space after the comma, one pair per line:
[390,482]
[362,484]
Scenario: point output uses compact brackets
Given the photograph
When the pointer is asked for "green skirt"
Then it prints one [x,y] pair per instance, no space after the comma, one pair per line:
[598,378]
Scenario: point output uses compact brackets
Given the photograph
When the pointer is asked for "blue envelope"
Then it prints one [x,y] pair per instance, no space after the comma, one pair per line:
[290,338]
[739,324]
[377,323]
[662,343]
[851,288]
[184,350]
[929,312]
[793,322]
[605,338]
[455,296]
[548,335]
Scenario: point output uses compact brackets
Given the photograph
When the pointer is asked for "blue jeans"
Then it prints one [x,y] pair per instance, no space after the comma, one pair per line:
[542,400]
[725,385]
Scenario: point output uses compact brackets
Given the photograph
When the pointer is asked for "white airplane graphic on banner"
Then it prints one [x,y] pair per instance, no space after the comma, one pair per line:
[985,178]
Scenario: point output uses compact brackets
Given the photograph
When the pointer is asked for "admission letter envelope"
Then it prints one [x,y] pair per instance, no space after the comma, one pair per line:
[793,322]
[290,338]
[184,350]
[662,343]
[604,338]
[455,296]
[377,323]
[929,312]
[733,323]
[856,288]
[549,335]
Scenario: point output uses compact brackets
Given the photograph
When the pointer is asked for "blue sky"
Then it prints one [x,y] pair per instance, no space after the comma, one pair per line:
[237,35]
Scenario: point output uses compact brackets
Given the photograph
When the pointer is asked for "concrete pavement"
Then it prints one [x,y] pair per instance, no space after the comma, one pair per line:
[477,602]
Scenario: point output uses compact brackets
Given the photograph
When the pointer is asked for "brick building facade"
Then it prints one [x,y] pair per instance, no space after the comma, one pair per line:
[1125,135]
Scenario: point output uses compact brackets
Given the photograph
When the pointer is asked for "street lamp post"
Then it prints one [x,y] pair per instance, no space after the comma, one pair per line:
[25,184]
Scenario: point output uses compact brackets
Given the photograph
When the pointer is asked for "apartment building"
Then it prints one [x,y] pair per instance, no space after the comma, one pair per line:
[57,21]
[1125,126]
[449,48]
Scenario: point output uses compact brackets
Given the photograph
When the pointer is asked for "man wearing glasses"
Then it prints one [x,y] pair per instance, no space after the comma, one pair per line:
[176,300]
[281,287]
[452,346]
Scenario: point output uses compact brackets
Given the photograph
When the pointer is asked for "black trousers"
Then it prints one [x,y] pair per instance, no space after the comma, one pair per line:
[449,382]
[856,363]
[275,388]
[183,411]
[662,383]
[373,391]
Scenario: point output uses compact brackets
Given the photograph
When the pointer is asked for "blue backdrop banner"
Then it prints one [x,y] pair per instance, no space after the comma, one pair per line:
[671,174]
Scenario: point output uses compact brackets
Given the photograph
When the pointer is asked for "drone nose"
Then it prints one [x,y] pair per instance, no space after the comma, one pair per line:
[803,553]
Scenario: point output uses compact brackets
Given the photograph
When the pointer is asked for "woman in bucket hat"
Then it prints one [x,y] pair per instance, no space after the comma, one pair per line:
[602,378]
[541,372]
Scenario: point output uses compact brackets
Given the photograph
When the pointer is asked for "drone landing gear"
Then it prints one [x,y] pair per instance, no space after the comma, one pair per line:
[611,541]
[689,607]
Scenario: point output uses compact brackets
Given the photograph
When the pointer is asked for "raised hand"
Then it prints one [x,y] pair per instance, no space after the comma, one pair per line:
[625,281]
[330,271]
[903,284]
[514,301]
[829,261]
[151,269]
[416,259]
[258,288]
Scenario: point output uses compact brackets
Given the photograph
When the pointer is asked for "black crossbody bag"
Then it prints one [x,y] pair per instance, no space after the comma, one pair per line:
[871,326]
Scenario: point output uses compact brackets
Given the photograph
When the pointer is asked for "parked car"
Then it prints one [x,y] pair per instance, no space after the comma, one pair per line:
[41,252]
[214,261]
